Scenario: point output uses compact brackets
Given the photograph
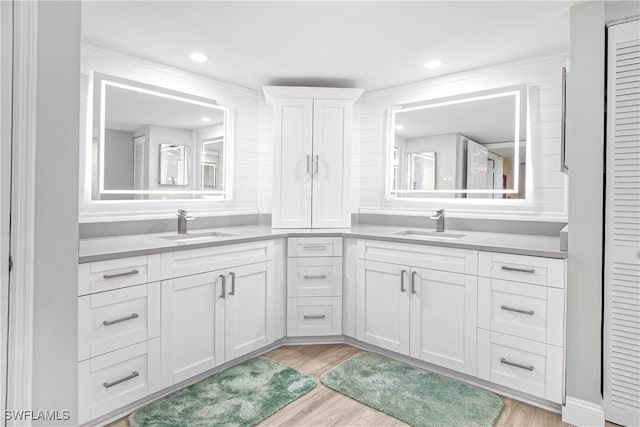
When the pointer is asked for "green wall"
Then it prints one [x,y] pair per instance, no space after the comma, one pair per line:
[55,352]
[118,156]
[585,134]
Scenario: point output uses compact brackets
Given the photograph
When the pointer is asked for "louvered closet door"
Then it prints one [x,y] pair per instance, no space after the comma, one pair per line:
[622,241]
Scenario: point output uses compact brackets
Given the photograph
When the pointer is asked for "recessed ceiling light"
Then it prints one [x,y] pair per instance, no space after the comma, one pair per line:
[399,127]
[206,119]
[430,65]
[198,57]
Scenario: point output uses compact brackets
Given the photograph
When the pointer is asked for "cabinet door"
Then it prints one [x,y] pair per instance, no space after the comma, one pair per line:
[331,164]
[443,319]
[383,303]
[293,121]
[249,309]
[188,321]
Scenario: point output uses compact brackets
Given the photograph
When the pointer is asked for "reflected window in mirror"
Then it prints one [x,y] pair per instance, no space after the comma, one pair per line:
[150,143]
[471,146]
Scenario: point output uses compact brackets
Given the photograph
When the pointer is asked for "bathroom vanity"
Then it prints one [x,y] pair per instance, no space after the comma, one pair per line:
[158,312]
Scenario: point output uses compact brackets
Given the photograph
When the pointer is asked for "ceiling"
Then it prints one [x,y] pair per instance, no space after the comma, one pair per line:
[371,45]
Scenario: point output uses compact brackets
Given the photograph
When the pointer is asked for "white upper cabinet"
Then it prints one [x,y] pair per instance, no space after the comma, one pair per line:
[312,156]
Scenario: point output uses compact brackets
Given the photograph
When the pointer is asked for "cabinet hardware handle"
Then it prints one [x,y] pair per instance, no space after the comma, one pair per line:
[233,283]
[564,167]
[121,380]
[315,316]
[224,285]
[126,273]
[413,282]
[123,319]
[308,170]
[315,248]
[517,365]
[517,310]
[319,276]
[402,273]
[520,270]
[317,164]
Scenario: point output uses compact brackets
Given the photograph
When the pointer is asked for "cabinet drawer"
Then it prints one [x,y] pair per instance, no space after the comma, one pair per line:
[314,246]
[116,379]
[111,320]
[523,310]
[314,316]
[196,261]
[102,276]
[314,277]
[532,367]
[432,257]
[522,268]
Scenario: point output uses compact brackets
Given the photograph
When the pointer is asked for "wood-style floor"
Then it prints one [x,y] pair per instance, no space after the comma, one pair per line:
[325,407]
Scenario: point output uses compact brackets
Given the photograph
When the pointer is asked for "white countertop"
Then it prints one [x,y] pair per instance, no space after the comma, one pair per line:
[103,248]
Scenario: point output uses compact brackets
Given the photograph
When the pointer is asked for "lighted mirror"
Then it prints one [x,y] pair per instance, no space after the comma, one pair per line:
[471,146]
[152,143]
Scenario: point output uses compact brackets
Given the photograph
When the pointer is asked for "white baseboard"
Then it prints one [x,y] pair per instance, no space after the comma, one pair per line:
[582,413]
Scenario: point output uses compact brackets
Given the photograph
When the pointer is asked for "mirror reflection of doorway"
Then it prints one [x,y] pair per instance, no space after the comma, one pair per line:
[422,170]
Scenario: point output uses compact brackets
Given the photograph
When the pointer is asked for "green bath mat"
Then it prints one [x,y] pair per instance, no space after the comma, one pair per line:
[415,396]
[242,395]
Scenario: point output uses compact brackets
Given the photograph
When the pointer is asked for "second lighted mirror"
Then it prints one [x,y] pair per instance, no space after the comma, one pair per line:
[471,146]
[152,143]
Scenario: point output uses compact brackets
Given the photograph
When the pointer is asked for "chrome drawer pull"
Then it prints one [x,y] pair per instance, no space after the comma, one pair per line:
[519,270]
[413,282]
[224,285]
[402,273]
[126,273]
[517,310]
[517,365]
[124,319]
[315,248]
[315,316]
[121,380]
[233,283]
[319,276]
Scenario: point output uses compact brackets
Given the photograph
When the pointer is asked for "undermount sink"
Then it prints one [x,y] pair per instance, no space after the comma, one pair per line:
[194,237]
[429,234]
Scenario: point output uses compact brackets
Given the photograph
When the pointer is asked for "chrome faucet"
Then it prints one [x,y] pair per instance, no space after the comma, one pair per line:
[182,221]
[439,217]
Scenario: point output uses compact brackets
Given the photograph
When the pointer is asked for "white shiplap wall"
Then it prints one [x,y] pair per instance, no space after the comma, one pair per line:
[546,186]
[243,102]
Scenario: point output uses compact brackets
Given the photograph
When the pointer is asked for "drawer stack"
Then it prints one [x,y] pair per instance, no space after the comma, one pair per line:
[521,323]
[314,286]
[118,333]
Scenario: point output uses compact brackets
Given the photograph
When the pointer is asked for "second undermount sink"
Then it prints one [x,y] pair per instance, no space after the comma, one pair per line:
[195,237]
[429,234]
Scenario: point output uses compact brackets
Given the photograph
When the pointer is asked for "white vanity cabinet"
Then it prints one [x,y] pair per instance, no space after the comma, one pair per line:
[312,156]
[521,302]
[212,317]
[423,306]
[314,286]
[118,333]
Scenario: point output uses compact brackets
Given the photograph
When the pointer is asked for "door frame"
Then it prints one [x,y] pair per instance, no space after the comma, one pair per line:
[23,142]
[6,42]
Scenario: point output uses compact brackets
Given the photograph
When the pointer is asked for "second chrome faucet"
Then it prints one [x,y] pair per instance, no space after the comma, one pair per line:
[439,217]
[182,221]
